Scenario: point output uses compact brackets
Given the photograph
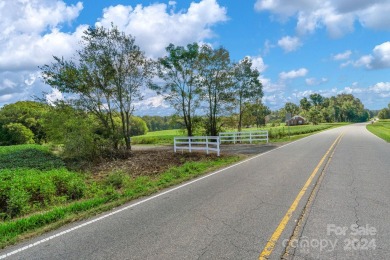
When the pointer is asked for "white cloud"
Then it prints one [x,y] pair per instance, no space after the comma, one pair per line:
[258,63]
[315,82]
[156,25]
[343,56]
[381,88]
[54,96]
[32,32]
[289,44]
[338,17]
[293,74]
[379,59]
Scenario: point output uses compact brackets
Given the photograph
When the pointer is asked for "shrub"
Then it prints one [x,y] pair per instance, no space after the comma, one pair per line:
[16,133]
[138,126]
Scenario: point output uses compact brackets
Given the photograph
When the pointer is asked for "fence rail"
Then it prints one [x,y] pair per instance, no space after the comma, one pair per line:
[251,136]
[197,143]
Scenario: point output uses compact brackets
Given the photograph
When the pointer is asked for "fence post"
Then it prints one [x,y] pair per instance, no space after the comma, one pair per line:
[207,145]
[250,137]
[218,147]
[267,137]
[174,144]
[189,144]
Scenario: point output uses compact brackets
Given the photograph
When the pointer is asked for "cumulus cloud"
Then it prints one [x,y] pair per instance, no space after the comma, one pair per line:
[379,59]
[293,74]
[336,16]
[315,82]
[31,35]
[342,56]
[258,63]
[289,44]
[156,25]
[33,31]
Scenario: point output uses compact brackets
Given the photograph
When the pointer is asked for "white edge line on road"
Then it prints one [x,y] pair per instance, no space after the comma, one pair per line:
[147,199]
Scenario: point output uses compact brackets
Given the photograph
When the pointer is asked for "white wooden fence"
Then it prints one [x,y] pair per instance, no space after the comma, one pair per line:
[251,136]
[200,143]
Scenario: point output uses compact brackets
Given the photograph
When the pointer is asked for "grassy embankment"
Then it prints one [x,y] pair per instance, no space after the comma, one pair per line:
[38,193]
[381,128]
[276,134]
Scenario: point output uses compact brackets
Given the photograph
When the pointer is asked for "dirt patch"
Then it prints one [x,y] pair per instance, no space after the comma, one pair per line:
[147,162]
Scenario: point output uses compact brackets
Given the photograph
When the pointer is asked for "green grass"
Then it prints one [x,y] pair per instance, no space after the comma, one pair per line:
[35,198]
[381,129]
[28,156]
[158,137]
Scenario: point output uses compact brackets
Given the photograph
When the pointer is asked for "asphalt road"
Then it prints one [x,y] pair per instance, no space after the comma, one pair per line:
[321,197]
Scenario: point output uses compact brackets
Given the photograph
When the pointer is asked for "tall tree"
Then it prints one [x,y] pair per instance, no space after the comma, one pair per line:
[316,99]
[106,77]
[247,87]
[215,83]
[291,108]
[178,70]
[305,104]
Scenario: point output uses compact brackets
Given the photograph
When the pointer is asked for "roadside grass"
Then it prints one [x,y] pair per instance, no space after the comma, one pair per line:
[37,199]
[381,129]
[280,133]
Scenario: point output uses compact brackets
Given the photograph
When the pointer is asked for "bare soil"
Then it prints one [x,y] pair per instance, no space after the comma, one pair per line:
[154,160]
[149,162]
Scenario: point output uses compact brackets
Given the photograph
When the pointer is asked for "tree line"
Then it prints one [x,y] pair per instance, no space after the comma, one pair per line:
[341,108]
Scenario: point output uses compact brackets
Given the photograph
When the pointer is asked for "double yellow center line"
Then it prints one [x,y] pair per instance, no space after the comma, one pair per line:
[283,223]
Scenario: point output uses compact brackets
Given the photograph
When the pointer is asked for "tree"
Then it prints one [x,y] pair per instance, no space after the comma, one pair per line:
[27,113]
[247,87]
[178,70]
[138,126]
[314,116]
[105,79]
[384,113]
[215,83]
[305,104]
[80,133]
[255,113]
[316,99]
[291,108]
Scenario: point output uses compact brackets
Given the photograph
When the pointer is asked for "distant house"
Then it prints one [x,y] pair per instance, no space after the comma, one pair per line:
[296,120]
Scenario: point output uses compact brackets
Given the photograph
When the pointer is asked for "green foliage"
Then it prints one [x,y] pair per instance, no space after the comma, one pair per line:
[79,133]
[26,190]
[28,156]
[138,126]
[16,133]
[106,78]
[340,108]
[291,108]
[178,71]
[27,113]
[384,113]
[247,88]
[215,83]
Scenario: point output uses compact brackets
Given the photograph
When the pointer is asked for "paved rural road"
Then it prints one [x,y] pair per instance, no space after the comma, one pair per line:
[321,188]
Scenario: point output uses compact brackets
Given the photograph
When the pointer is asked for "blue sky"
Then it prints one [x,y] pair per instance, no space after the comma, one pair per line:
[299,46]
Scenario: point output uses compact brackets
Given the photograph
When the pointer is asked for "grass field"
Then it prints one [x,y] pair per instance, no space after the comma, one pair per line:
[276,134]
[38,193]
[381,128]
